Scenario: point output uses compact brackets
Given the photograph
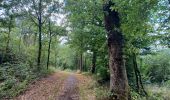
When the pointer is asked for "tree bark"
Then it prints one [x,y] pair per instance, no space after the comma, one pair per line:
[9,33]
[85,65]
[55,52]
[78,63]
[81,61]
[49,44]
[136,74]
[55,59]
[93,62]
[40,34]
[139,84]
[118,76]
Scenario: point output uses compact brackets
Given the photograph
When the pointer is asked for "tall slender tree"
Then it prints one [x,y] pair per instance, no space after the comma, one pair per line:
[39,11]
[49,43]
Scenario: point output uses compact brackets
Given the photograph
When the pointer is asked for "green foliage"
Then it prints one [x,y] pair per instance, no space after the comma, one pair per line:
[14,78]
[167,84]
[135,95]
[66,57]
[155,92]
[102,93]
[103,73]
[157,66]
[143,23]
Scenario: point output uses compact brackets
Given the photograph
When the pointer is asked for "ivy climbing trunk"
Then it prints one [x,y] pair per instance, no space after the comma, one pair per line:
[118,76]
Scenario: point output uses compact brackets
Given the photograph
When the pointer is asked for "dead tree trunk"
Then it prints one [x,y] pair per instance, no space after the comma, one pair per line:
[118,76]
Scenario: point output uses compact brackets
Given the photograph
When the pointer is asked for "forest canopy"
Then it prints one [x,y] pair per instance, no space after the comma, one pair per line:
[123,45]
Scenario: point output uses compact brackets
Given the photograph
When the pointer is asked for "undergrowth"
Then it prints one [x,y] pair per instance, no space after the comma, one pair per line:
[155,92]
[14,78]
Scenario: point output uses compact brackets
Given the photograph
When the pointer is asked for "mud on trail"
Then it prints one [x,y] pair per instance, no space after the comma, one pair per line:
[58,86]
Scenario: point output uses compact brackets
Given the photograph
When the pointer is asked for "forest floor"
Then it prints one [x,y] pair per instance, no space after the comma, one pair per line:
[60,86]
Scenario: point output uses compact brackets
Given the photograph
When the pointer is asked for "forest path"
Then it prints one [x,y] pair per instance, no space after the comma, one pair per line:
[58,86]
[69,90]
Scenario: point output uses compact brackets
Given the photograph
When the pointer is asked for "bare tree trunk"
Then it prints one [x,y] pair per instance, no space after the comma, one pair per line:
[118,76]
[136,74]
[49,44]
[20,38]
[9,33]
[78,62]
[40,34]
[85,63]
[55,54]
[94,62]
[139,84]
[81,61]
[55,59]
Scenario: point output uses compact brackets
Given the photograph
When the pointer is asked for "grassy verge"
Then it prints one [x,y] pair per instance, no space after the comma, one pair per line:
[158,92]
[101,92]
[90,89]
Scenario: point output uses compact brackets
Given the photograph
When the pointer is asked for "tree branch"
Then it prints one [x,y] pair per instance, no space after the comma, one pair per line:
[33,20]
[33,1]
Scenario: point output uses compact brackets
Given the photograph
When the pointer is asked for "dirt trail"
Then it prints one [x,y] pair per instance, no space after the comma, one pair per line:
[70,89]
[59,86]
[44,89]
